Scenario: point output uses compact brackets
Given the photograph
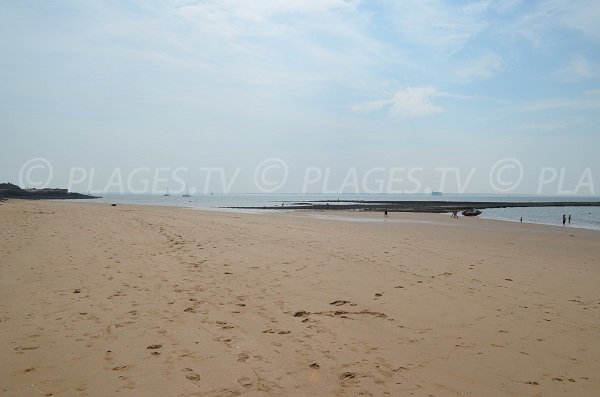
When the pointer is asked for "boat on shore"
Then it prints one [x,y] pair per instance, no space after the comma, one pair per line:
[471,212]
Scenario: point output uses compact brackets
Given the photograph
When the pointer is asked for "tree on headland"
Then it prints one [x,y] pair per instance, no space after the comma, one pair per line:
[9,186]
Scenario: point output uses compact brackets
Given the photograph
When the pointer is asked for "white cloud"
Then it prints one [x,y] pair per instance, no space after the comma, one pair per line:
[415,101]
[263,9]
[407,102]
[550,126]
[507,6]
[588,100]
[579,69]
[438,25]
[581,16]
[476,8]
[319,42]
[481,68]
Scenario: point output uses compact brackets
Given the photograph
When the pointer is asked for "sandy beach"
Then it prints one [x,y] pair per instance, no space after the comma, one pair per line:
[152,301]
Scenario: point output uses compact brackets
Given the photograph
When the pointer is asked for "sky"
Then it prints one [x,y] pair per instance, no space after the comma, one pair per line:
[302,96]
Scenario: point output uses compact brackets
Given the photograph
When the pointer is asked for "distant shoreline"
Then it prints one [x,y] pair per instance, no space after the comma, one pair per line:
[43,194]
[12,191]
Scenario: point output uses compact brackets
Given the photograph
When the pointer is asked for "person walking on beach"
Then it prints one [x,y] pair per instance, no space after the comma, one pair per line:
[521,219]
[385,214]
[569,219]
[564,219]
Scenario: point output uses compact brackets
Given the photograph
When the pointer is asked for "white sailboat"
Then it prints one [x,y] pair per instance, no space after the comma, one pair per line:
[167,193]
[187,194]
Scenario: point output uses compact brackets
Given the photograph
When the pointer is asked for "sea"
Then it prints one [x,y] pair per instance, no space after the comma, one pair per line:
[581,217]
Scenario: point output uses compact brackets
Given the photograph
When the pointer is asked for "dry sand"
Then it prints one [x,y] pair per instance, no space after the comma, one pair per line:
[177,302]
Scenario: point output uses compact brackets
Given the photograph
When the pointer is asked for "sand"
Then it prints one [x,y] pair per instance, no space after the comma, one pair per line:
[151,301]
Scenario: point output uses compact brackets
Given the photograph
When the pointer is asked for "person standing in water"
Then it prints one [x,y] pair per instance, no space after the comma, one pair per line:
[564,219]
[569,219]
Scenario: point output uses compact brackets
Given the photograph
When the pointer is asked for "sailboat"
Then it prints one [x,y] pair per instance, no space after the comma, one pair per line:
[167,193]
[187,194]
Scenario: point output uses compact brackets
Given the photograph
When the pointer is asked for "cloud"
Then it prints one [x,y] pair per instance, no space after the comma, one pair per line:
[309,42]
[507,6]
[439,25]
[588,100]
[579,69]
[581,16]
[259,10]
[482,68]
[407,102]
[550,126]
[415,101]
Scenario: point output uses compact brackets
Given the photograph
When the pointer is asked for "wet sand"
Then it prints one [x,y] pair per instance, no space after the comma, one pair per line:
[98,300]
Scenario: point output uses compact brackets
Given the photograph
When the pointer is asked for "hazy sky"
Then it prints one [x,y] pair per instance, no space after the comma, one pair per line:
[328,84]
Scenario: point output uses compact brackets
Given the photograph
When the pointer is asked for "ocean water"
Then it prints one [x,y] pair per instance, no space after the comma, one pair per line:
[582,217]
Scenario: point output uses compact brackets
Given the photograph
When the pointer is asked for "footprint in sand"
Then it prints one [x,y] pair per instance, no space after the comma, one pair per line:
[25,348]
[191,375]
[273,331]
[242,357]
[224,325]
[339,302]
[227,327]
[301,313]
[347,375]
[128,382]
[244,381]
[342,303]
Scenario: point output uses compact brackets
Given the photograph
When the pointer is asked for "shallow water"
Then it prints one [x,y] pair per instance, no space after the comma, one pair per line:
[581,217]
[378,219]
